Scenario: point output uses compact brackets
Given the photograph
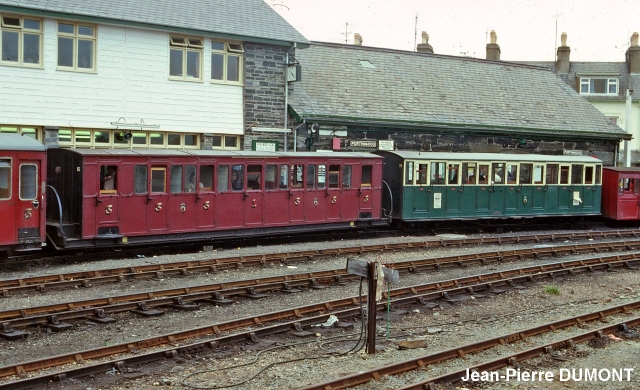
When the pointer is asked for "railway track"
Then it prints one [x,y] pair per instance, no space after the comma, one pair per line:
[183,268]
[171,345]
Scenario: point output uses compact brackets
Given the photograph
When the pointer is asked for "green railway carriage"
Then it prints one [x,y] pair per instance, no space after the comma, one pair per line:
[440,186]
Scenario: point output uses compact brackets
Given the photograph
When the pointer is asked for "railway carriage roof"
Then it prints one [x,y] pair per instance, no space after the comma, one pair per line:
[218,153]
[442,156]
[19,142]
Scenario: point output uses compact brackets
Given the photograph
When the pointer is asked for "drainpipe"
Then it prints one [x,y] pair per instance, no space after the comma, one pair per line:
[286,99]
[627,147]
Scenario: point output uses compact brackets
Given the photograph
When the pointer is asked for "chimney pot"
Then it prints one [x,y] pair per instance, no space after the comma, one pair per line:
[493,49]
[424,47]
[563,64]
[633,55]
[563,39]
[357,39]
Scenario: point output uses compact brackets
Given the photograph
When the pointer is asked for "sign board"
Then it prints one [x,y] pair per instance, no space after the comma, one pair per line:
[265,146]
[363,143]
[385,145]
[572,152]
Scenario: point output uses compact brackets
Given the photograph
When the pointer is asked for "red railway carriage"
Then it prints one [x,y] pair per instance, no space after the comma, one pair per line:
[22,163]
[621,193]
[115,197]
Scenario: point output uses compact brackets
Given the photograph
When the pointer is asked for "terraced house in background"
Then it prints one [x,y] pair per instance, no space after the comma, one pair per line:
[143,74]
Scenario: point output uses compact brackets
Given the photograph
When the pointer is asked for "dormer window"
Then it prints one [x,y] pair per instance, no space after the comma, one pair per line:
[598,86]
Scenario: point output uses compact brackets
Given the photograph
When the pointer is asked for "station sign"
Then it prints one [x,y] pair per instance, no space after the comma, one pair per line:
[379,144]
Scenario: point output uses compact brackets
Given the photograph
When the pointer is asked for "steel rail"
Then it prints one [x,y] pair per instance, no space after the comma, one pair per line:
[178,297]
[458,352]
[86,278]
[341,308]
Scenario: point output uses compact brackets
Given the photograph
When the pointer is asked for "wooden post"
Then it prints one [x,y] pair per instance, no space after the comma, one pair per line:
[371,310]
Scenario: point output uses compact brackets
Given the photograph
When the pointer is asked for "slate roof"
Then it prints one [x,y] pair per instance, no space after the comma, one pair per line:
[422,91]
[242,18]
[619,69]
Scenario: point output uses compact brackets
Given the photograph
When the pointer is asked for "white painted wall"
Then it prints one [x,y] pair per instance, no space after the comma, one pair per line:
[619,109]
[132,81]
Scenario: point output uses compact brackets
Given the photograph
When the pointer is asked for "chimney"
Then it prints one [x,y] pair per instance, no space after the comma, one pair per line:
[493,50]
[424,47]
[357,39]
[633,54]
[562,61]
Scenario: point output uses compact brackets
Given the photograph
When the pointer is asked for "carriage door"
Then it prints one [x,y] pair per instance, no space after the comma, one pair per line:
[539,189]
[276,194]
[333,193]
[205,197]
[230,196]
[253,203]
[107,201]
[589,190]
[7,207]
[29,203]
[296,193]
[316,193]
[366,194]
[157,200]
[565,190]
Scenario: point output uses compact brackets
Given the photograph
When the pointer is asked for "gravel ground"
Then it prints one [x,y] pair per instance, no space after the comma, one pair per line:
[440,328]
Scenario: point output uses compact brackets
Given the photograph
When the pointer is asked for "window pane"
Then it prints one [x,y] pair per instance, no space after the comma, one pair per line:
[31,49]
[140,178]
[217,66]
[173,139]
[85,30]
[233,68]
[284,176]
[217,45]
[498,173]
[469,173]
[85,54]
[65,51]
[175,63]
[367,171]
[230,142]
[190,184]
[100,137]
[599,85]
[29,131]
[538,174]
[525,173]
[65,28]
[5,178]
[206,177]
[216,141]
[334,176]
[576,173]
[564,175]
[408,173]
[9,46]
[156,139]
[190,140]
[120,139]
[158,179]
[322,175]
[311,176]
[108,177]
[588,175]
[296,175]
[237,177]
[346,175]
[176,179]
[453,173]
[437,173]
[512,173]
[28,182]
[271,177]
[223,178]
[552,174]
[139,138]
[193,64]
[483,174]
[64,135]
[83,136]
[32,24]
[254,177]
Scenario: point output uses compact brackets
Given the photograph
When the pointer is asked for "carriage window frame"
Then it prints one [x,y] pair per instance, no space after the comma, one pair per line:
[297,181]
[409,173]
[254,177]
[366,180]
[483,173]
[577,173]
[8,161]
[511,172]
[564,176]
[347,171]
[498,172]
[283,182]
[421,176]
[333,176]
[140,180]
[437,172]
[525,173]
[552,174]
[539,175]
[589,174]
[311,177]
[469,172]
[271,176]
[30,185]
[453,173]
[152,183]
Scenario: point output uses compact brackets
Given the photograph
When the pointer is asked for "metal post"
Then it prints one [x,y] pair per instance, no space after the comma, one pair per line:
[627,120]
[371,309]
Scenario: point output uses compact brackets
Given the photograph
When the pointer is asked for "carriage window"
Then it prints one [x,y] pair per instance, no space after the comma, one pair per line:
[422,173]
[334,176]
[626,186]
[437,173]
[346,176]
[176,179]
[408,173]
[564,174]
[469,173]
[483,174]
[223,178]
[237,177]
[140,179]
[367,174]
[158,179]
[576,173]
[588,175]
[598,174]
[28,181]
[296,175]
[452,177]
[512,173]
[108,179]
[284,176]
[271,177]
[552,173]
[498,173]
[5,178]
[538,174]
[254,177]
[525,173]
[190,183]
[206,178]
[636,185]
[322,176]
[311,176]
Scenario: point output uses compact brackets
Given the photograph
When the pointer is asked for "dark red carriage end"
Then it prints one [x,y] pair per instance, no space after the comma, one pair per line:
[621,193]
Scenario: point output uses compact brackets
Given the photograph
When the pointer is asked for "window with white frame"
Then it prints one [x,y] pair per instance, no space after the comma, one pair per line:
[21,41]
[599,86]
[76,46]
[226,62]
[185,58]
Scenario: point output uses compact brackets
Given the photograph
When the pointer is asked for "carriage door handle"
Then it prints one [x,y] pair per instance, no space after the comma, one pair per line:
[98,201]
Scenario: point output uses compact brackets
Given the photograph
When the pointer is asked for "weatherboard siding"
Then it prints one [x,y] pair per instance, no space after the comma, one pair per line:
[132,81]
